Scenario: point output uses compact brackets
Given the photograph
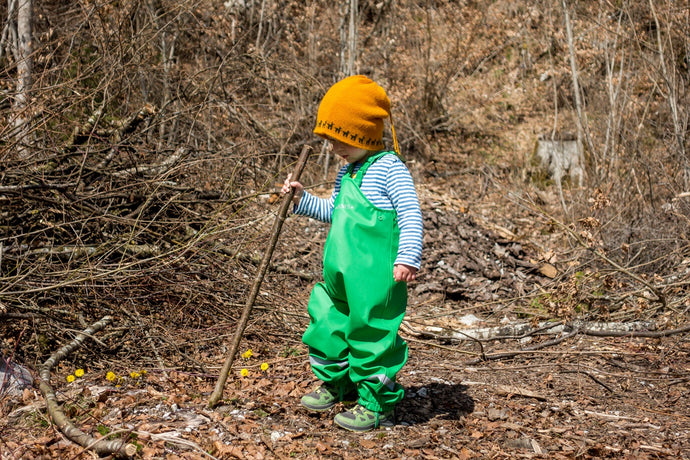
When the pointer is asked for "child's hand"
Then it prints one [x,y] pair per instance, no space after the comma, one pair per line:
[403,272]
[299,189]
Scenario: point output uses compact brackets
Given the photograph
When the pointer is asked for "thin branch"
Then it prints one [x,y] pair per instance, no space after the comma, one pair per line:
[596,380]
[116,447]
[646,334]
[511,354]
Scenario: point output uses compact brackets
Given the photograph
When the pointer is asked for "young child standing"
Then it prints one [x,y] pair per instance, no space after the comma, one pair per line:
[372,250]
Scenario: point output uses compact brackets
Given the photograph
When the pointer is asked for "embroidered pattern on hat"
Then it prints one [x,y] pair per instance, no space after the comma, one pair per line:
[347,134]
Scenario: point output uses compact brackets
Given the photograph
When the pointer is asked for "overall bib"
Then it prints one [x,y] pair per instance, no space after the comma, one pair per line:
[356,312]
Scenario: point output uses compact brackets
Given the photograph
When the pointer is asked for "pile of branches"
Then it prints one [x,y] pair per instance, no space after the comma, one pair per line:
[125,230]
[131,188]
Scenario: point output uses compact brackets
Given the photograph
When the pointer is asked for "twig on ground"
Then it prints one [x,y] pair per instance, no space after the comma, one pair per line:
[116,447]
[596,380]
[173,439]
[523,330]
[647,334]
[435,345]
[511,354]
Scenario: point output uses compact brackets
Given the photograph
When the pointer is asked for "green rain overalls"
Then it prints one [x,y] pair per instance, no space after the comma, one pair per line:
[356,312]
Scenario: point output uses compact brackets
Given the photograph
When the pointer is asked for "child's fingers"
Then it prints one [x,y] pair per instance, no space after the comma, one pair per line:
[404,273]
[296,186]
[287,184]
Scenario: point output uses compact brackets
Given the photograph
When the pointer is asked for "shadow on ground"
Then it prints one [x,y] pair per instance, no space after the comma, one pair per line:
[436,400]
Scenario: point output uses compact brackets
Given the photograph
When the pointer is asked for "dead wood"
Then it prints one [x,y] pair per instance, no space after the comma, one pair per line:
[153,169]
[275,233]
[119,128]
[594,379]
[19,188]
[647,334]
[523,330]
[116,447]
[512,354]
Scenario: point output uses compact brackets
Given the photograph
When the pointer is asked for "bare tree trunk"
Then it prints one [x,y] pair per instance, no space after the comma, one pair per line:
[581,123]
[9,32]
[167,48]
[348,56]
[352,37]
[23,52]
[261,21]
[614,84]
[348,40]
[679,126]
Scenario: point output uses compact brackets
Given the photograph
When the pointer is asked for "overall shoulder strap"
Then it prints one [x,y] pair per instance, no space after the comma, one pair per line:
[363,169]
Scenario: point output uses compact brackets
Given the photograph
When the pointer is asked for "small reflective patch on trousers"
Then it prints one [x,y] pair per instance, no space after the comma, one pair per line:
[314,361]
[383,378]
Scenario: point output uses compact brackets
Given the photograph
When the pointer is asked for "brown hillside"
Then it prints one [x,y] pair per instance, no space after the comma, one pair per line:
[550,317]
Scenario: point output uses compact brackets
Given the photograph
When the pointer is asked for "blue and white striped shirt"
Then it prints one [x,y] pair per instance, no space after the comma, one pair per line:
[387,184]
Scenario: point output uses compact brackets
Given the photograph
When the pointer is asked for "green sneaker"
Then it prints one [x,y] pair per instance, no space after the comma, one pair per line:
[361,419]
[324,397]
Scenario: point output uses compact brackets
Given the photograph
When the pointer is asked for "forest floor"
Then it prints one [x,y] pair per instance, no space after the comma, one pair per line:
[494,260]
[578,396]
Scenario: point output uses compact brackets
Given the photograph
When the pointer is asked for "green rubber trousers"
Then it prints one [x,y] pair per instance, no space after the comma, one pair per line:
[356,311]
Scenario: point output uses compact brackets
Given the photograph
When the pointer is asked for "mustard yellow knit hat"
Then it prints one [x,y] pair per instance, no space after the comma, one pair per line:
[352,111]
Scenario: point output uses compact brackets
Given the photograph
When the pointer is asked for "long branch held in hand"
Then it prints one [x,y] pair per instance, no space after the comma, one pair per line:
[277,225]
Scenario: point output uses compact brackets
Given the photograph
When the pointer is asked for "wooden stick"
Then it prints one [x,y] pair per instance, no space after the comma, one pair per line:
[277,225]
[116,447]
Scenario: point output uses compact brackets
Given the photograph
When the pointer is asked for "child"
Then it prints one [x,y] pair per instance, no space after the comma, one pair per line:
[373,249]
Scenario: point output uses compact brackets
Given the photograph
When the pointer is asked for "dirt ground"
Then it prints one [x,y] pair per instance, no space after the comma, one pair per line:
[494,259]
[580,397]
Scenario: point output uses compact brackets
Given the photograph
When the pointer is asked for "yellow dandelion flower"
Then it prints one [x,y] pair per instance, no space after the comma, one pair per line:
[143,372]
[134,375]
[79,372]
[247,354]
[244,372]
[110,376]
[70,378]
[264,367]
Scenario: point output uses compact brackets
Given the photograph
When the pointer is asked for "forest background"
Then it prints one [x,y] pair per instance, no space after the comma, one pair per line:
[140,147]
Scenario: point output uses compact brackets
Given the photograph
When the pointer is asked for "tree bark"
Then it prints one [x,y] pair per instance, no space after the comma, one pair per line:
[24,65]
[116,447]
[582,130]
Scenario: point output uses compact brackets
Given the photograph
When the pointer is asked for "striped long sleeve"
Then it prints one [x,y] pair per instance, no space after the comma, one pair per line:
[387,185]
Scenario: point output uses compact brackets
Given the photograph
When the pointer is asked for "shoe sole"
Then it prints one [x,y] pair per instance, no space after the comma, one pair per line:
[386,423]
[346,401]
[317,408]
[362,430]
[356,429]
[352,428]
[325,408]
